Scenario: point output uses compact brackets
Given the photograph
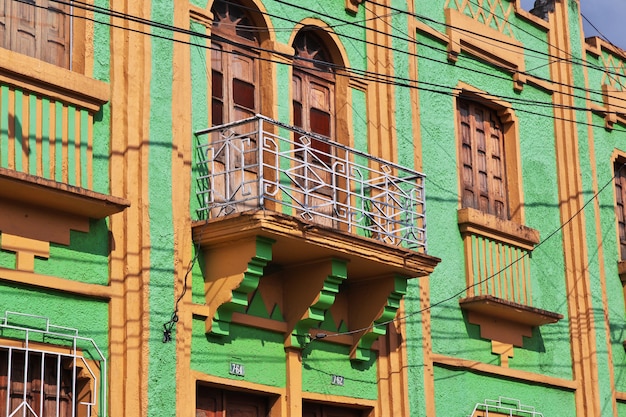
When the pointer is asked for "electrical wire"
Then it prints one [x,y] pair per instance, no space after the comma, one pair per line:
[596,29]
[573,60]
[364,74]
[344,22]
[488,278]
[169,325]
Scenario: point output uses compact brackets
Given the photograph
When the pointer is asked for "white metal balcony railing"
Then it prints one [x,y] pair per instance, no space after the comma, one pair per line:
[259,163]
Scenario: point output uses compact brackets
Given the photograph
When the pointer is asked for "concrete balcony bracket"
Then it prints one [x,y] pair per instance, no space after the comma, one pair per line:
[231,273]
[41,209]
[373,304]
[310,290]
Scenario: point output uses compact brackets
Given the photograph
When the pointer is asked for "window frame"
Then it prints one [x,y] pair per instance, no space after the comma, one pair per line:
[620,199]
[303,103]
[77,25]
[511,160]
[229,104]
[33,334]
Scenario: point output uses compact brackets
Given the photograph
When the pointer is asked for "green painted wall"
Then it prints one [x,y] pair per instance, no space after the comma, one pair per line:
[458,392]
[262,353]
[322,360]
[606,143]
[547,352]
[161,356]
[211,354]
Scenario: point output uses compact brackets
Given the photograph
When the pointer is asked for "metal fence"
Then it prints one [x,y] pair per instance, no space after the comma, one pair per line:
[259,163]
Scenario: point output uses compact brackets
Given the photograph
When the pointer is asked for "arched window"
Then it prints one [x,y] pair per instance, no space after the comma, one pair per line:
[234,64]
[313,87]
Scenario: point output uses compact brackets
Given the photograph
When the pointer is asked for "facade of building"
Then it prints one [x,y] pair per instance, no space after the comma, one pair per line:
[334,208]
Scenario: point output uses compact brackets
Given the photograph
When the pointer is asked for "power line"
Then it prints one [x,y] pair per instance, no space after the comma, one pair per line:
[495,274]
[366,75]
[191,33]
[408,39]
[573,60]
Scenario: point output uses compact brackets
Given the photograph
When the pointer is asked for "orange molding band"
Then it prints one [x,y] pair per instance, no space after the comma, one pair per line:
[235,383]
[338,399]
[472,221]
[48,282]
[495,370]
[52,81]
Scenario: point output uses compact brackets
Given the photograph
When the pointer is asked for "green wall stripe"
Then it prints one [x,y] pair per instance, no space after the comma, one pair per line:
[17,125]
[72,137]
[4,125]
[45,138]
[58,143]
[84,142]
[32,135]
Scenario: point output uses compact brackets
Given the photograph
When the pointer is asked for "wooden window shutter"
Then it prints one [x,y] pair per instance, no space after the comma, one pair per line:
[55,33]
[235,70]
[620,205]
[482,162]
[37,28]
[5,24]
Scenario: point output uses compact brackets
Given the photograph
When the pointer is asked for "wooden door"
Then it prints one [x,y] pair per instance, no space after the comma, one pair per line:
[212,402]
[323,410]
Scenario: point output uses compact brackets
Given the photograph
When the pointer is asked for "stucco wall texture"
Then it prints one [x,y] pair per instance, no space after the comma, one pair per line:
[137,280]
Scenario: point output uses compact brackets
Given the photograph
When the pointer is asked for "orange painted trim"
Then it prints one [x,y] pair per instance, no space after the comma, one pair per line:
[427,348]
[25,117]
[382,137]
[472,221]
[38,137]
[498,371]
[11,130]
[49,80]
[599,236]
[64,146]
[25,250]
[181,189]
[130,256]
[293,392]
[521,13]
[50,194]
[90,151]
[493,46]
[57,284]
[594,45]
[52,139]
[337,399]
[234,383]
[570,191]
[78,169]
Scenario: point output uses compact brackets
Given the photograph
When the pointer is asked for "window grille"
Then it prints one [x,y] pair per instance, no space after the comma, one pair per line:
[504,406]
[45,370]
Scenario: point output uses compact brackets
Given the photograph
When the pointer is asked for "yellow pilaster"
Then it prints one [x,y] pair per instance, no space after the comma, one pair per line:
[582,332]
[129,262]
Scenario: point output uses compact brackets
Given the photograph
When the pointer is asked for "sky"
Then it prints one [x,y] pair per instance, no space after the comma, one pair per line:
[609,16]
